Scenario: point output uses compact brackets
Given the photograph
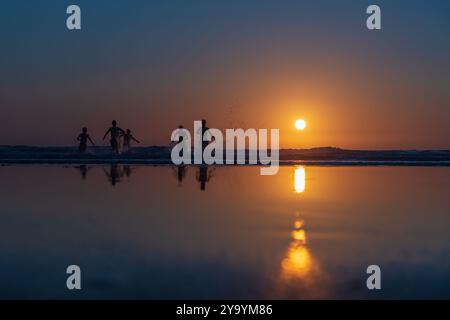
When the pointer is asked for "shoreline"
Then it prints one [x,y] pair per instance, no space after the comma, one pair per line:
[165,162]
[157,155]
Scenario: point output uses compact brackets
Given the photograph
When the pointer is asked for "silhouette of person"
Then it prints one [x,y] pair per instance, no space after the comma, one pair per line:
[204,130]
[115,134]
[83,137]
[127,137]
[181,139]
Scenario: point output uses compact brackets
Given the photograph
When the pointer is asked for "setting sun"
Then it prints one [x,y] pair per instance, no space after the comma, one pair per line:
[300,124]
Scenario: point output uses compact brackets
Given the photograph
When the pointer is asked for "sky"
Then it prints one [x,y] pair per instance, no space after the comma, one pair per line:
[153,65]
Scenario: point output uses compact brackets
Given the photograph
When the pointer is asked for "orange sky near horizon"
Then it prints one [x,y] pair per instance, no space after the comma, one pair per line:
[236,64]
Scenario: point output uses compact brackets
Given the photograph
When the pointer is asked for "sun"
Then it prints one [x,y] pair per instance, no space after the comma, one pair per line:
[300,124]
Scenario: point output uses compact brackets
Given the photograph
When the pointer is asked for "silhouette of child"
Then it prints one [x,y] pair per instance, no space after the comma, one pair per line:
[127,137]
[205,134]
[115,132]
[181,137]
[83,137]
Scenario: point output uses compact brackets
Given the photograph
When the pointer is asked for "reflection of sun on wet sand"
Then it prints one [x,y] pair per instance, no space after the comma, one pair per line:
[300,274]
[298,262]
[300,180]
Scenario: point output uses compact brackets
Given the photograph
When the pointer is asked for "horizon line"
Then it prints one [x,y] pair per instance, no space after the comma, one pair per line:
[295,149]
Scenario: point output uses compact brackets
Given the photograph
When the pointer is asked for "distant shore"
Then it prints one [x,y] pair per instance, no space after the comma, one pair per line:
[157,155]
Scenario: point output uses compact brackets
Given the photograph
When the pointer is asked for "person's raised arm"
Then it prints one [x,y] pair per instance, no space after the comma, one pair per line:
[106,133]
[91,141]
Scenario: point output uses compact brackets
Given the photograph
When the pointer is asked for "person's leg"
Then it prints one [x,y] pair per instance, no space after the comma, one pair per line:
[114,145]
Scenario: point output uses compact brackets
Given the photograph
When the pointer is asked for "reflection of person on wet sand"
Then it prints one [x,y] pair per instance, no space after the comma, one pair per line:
[115,133]
[203,176]
[83,137]
[115,174]
[180,172]
[127,170]
[83,170]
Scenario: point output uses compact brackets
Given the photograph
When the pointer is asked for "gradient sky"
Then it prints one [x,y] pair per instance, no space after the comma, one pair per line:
[153,65]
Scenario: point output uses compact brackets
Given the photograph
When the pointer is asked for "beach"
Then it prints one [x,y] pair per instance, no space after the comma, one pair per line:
[227,232]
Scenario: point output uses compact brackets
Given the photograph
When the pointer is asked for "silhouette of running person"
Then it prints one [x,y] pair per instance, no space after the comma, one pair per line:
[115,134]
[127,137]
[181,139]
[83,137]
[204,129]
